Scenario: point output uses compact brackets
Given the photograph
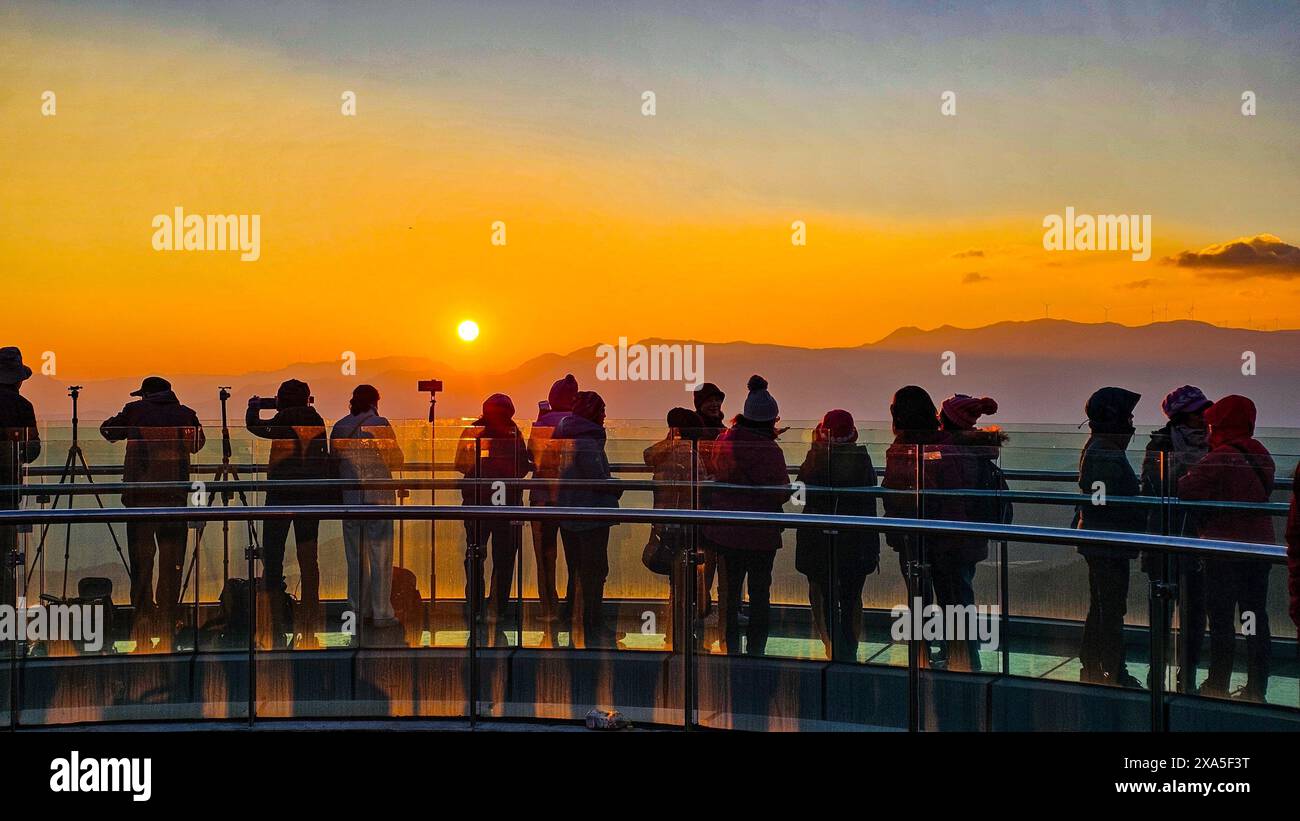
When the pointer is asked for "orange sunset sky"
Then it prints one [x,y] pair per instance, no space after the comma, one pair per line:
[375,229]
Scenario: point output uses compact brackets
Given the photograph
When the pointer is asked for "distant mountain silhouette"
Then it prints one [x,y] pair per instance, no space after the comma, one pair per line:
[1039,371]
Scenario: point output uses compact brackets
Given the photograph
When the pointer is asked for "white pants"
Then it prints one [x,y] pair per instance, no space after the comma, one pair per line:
[374,537]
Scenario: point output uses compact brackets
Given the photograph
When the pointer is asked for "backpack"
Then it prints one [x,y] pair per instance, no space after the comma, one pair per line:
[231,624]
[993,509]
[407,604]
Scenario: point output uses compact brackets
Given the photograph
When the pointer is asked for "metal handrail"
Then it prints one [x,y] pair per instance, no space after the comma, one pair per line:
[197,468]
[422,483]
[880,524]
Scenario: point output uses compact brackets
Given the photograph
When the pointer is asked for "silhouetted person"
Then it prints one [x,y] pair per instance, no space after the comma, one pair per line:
[581,437]
[1170,453]
[953,569]
[20,445]
[837,562]
[708,404]
[1238,468]
[672,463]
[299,452]
[494,448]
[161,434]
[747,454]
[367,450]
[1106,475]
[546,535]
[921,455]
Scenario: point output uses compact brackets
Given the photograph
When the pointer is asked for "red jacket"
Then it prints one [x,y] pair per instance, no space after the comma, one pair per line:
[945,467]
[745,456]
[1237,469]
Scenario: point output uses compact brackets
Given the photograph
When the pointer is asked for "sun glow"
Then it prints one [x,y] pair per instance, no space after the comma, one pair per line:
[467,330]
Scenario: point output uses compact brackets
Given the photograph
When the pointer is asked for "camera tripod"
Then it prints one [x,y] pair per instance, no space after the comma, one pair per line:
[225,472]
[74,464]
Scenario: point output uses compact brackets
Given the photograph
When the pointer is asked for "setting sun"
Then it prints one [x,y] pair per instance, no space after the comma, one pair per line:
[468,330]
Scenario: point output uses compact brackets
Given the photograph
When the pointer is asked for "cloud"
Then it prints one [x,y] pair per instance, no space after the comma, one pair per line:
[1139,283]
[973,252]
[1263,255]
[974,277]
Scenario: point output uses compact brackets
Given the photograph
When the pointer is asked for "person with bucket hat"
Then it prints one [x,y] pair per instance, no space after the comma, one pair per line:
[493,448]
[299,452]
[160,434]
[21,445]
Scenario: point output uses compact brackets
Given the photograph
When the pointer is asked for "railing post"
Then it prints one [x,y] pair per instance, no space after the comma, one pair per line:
[250,554]
[686,618]
[472,547]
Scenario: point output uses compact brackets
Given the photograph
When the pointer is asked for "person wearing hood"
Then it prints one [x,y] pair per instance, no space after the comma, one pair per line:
[546,535]
[1238,468]
[493,448]
[674,464]
[1106,476]
[1170,453]
[747,454]
[921,451]
[367,450]
[978,449]
[21,445]
[837,471]
[161,434]
[708,399]
[581,448]
[299,452]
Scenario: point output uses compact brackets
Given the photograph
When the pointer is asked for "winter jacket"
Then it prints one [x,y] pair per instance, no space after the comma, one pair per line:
[670,462]
[580,450]
[1293,550]
[943,466]
[1170,453]
[545,457]
[1237,469]
[366,448]
[299,452]
[501,453]
[839,465]
[1105,459]
[160,435]
[748,456]
[20,442]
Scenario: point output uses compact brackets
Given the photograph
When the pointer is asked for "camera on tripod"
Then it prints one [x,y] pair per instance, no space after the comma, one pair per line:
[430,386]
[264,403]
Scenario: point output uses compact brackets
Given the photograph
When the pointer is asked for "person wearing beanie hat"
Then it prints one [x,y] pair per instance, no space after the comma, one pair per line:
[366,449]
[747,454]
[759,404]
[835,467]
[546,535]
[562,393]
[161,436]
[1238,468]
[961,412]
[493,447]
[1104,466]
[299,452]
[20,444]
[581,440]
[1170,452]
